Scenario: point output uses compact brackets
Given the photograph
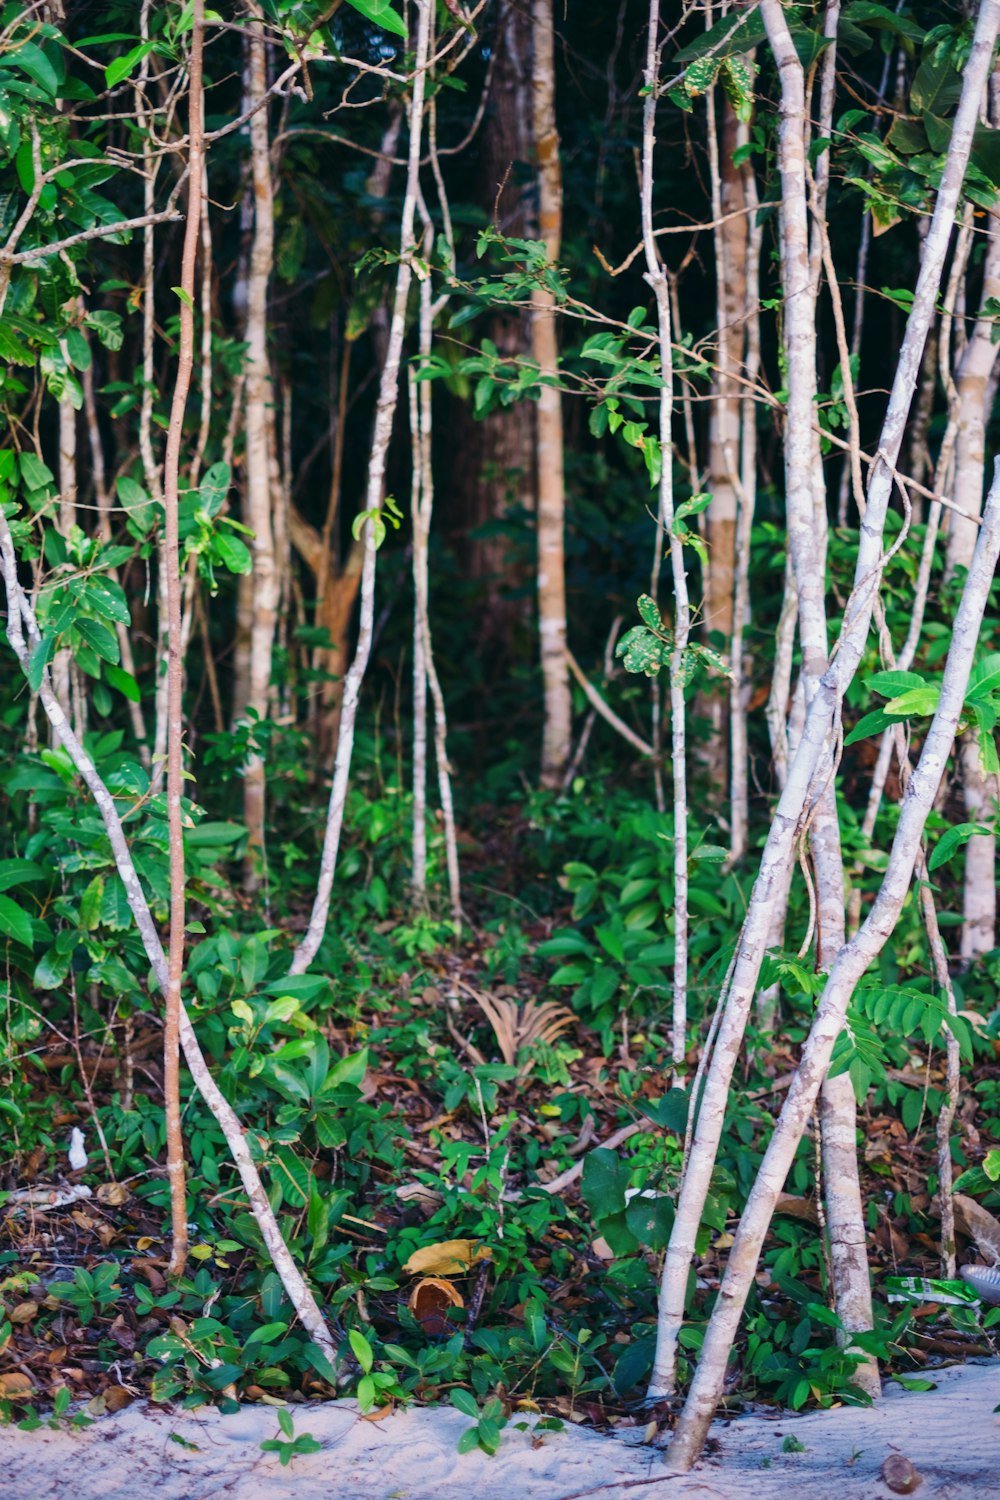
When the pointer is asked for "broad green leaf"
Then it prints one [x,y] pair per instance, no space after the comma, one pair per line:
[19,872]
[124,65]
[891,684]
[232,553]
[124,681]
[294,1176]
[649,612]
[605,1178]
[41,654]
[872,723]
[15,922]
[214,835]
[916,702]
[99,638]
[952,840]
[363,1352]
[464,1401]
[34,62]
[91,904]
[381,14]
[34,474]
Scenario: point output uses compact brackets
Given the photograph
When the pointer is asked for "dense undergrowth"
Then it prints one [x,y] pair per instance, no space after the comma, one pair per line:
[411,1097]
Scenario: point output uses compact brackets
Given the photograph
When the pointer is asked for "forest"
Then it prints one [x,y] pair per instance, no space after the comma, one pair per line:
[500,678]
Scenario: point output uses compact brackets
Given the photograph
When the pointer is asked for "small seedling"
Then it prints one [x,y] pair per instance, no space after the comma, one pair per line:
[295,1446]
[792,1445]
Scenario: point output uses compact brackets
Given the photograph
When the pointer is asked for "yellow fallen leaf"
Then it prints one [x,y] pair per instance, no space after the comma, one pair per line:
[447,1258]
[379,1414]
[15,1387]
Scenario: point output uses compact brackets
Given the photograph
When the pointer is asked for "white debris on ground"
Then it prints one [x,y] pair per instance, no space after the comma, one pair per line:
[950,1434]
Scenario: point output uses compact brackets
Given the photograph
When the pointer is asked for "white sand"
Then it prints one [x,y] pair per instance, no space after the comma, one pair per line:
[950,1434]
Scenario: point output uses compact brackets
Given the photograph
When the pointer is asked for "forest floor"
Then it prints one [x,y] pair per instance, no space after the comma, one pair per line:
[951,1434]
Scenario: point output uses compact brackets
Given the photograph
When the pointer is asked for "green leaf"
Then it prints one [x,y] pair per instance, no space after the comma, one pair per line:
[266,1334]
[99,638]
[872,723]
[124,65]
[916,702]
[641,651]
[465,1402]
[232,553]
[19,872]
[891,684]
[951,840]
[214,835]
[136,501]
[34,474]
[603,1184]
[91,904]
[16,923]
[37,66]
[936,86]
[294,1176]
[41,654]
[362,1349]
[649,612]
[381,14]
[124,681]
[77,349]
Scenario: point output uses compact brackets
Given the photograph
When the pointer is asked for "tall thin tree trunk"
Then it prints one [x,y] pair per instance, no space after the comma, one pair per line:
[656,276]
[104,523]
[62,666]
[739,689]
[171,561]
[558,725]
[975,369]
[258,475]
[385,412]
[727,408]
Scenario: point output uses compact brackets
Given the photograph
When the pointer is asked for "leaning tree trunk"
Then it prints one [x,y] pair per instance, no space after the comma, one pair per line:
[818,727]
[850,965]
[807,537]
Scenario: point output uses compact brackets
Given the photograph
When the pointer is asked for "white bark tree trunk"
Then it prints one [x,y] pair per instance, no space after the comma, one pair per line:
[821,714]
[385,411]
[848,968]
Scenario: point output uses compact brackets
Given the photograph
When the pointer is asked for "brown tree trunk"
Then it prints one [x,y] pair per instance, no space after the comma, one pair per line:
[494,470]
[548,421]
[725,413]
[259,394]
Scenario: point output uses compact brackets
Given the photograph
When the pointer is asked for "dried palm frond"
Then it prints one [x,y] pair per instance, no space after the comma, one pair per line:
[518,1026]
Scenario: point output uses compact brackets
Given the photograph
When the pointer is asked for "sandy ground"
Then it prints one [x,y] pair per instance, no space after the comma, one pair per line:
[951,1434]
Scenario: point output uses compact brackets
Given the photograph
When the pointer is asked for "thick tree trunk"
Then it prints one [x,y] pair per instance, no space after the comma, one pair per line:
[558,724]
[494,467]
